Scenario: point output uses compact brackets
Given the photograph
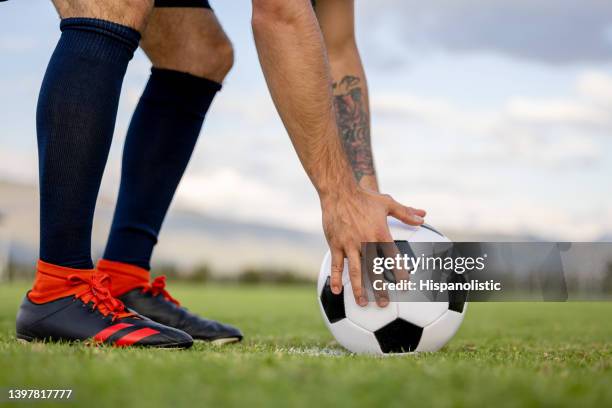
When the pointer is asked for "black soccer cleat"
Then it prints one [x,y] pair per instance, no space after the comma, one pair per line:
[156,303]
[95,317]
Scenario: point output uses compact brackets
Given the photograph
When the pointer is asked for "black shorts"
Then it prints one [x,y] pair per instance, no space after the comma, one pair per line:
[178,3]
[182,3]
[189,3]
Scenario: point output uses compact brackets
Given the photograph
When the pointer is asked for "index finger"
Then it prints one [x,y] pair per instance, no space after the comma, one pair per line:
[407,215]
[337,267]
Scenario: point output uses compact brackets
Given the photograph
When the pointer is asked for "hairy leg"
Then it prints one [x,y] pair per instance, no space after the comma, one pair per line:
[350,89]
[130,13]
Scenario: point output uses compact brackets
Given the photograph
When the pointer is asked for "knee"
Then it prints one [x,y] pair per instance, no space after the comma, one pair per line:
[203,54]
[216,60]
[210,58]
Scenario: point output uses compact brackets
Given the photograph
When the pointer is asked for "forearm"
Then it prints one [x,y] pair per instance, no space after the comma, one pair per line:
[293,59]
[337,21]
[351,100]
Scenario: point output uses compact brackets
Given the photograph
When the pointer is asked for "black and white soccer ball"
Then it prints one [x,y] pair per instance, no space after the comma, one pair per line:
[401,327]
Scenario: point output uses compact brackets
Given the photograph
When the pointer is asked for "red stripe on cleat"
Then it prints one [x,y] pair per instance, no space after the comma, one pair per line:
[135,336]
[109,331]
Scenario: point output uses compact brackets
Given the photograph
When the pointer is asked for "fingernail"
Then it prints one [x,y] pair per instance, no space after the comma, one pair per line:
[335,289]
[363,301]
[383,302]
[418,218]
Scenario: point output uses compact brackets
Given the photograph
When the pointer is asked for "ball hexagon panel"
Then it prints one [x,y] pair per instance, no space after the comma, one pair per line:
[457,298]
[332,305]
[421,313]
[399,336]
[457,304]
[354,338]
[399,230]
[438,333]
[370,317]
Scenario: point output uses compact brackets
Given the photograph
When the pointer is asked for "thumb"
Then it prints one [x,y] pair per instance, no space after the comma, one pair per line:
[407,215]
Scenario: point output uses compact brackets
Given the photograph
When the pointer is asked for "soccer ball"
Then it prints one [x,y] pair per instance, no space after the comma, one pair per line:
[401,327]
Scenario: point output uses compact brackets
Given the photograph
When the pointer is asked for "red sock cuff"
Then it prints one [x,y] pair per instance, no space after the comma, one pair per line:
[124,277]
[51,282]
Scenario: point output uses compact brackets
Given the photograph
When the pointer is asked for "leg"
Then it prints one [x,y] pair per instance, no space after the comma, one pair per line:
[76,115]
[336,18]
[75,119]
[191,55]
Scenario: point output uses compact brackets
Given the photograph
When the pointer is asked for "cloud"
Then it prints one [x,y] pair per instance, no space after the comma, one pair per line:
[228,192]
[587,110]
[568,129]
[556,111]
[552,32]
[514,215]
[596,86]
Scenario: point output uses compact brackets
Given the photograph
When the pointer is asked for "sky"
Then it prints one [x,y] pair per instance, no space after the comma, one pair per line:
[493,115]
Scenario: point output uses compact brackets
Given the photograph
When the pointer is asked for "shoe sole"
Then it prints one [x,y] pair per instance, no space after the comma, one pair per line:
[23,339]
[220,342]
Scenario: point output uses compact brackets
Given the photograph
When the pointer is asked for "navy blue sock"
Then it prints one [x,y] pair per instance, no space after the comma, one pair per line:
[159,143]
[75,119]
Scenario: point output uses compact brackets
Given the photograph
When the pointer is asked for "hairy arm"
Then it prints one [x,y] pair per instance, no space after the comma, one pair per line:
[294,62]
[350,89]
[293,59]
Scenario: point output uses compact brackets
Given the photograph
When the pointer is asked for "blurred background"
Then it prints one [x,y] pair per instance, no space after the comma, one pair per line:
[495,116]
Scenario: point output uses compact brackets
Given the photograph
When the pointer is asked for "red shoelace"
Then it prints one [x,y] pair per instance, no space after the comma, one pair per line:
[98,293]
[158,287]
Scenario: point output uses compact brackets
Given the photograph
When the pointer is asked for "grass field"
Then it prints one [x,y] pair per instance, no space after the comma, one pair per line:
[505,354]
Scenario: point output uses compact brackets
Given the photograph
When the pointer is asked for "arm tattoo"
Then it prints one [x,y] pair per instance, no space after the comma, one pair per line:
[354,125]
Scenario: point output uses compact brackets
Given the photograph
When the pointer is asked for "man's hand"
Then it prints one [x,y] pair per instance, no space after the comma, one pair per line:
[353,217]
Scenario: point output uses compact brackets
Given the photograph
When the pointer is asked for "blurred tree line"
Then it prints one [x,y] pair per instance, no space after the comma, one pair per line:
[251,275]
[201,273]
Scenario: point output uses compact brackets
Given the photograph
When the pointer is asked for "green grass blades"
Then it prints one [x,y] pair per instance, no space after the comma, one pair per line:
[505,354]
